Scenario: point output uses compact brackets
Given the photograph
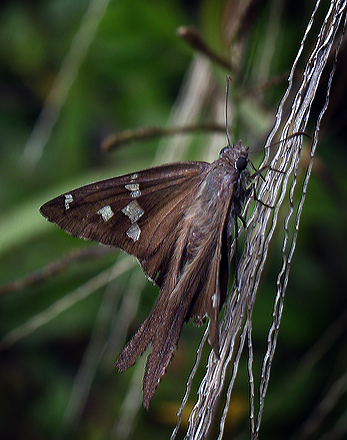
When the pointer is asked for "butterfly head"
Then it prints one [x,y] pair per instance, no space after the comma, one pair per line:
[236,155]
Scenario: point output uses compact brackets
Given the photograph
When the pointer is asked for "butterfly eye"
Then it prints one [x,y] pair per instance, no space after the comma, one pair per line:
[241,163]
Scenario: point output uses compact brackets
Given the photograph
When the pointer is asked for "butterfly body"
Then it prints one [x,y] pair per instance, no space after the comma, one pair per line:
[178,220]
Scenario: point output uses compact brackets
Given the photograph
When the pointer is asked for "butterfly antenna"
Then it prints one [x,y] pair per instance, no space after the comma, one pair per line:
[226,108]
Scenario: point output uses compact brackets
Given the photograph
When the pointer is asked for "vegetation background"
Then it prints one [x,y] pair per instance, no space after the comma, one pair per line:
[131,76]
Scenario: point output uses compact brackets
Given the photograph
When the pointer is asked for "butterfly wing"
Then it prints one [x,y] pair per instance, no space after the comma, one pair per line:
[195,285]
[178,307]
[174,219]
[136,212]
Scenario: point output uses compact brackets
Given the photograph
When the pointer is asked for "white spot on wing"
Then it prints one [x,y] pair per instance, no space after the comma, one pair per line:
[106,213]
[134,176]
[133,210]
[68,200]
[132,186]
[134,232]
[135,194]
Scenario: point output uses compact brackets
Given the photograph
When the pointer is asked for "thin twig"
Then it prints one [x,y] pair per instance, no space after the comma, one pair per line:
[192,36]
[152,132]
[54,268]
[65,303]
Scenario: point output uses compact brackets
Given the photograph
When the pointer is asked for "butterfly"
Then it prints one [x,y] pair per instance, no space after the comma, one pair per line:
[179,221]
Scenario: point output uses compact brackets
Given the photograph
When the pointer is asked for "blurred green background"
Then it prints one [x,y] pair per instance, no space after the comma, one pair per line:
[131,76]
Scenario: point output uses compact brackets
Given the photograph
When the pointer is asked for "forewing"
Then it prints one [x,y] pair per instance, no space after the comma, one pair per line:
[136,212]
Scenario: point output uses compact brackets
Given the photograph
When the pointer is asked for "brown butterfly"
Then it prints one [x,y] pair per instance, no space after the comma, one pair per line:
[178,220]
